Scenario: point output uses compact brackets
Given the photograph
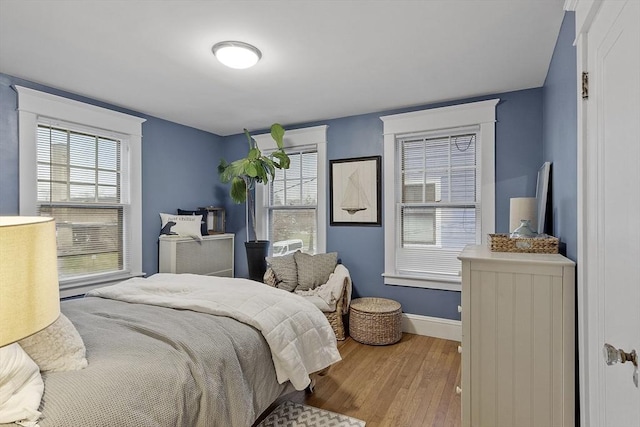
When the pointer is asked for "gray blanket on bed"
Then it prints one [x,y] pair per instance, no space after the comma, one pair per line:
[156,366]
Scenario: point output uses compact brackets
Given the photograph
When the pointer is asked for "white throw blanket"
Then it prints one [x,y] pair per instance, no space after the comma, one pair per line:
[299,335]
[331,291]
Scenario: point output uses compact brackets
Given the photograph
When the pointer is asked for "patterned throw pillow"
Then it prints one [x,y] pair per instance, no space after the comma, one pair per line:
[314,270]
[203,222]
[285,270]
[181,225]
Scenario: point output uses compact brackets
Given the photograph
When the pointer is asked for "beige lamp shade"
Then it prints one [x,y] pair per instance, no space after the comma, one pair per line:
[29,295]
[523,208]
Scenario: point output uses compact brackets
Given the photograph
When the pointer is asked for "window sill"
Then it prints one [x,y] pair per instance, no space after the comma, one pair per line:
[71,288]
[453,284]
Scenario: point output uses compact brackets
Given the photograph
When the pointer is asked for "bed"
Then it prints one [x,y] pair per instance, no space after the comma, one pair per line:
[186,350]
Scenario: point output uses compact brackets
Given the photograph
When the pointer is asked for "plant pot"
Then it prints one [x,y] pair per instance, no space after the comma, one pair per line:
[257,251]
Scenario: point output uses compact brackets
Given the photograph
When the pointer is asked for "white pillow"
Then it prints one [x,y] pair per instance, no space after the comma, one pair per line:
[183,225]
[58,347]
[21,387]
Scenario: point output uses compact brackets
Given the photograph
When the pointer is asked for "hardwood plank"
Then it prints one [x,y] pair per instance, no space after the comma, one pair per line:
[410,383]
[404,404]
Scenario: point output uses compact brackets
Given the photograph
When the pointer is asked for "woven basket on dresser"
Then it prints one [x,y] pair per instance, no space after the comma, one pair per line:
[544,244]
[376,321]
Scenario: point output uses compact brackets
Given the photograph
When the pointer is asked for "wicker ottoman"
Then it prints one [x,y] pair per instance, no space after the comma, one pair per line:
[376,321]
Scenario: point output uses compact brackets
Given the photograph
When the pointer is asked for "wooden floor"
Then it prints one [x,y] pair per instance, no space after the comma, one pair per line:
[411,383]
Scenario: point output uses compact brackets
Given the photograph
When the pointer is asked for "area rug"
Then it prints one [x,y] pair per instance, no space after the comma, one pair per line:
[290,414]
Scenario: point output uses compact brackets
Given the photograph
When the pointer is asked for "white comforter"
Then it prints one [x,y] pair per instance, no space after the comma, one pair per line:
[299,335]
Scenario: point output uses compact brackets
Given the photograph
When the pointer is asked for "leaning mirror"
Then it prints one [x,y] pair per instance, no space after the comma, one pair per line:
[542,195]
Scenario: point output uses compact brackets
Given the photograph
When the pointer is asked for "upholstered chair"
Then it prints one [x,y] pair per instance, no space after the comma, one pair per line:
[320,278]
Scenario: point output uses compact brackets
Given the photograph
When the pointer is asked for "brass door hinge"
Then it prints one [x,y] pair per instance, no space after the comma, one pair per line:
[585,85]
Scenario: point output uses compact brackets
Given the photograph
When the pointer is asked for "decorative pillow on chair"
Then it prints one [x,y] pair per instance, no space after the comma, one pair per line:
[314,270]
[21,386]
[204,230]
[270,278]
[181,225]
[58,347]
[284,267]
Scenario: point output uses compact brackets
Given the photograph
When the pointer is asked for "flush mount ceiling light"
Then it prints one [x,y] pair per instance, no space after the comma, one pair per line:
[237,55]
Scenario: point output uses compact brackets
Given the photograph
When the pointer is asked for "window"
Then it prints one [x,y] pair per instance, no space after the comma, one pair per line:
[293,203]
[290,211]
[441,197]
[80,185]
[86,176]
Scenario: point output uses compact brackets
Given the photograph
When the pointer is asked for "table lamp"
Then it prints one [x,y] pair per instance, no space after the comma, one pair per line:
[29,294]
[523,208]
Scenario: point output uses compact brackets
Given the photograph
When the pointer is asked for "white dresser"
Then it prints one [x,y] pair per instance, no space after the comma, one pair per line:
[518,339]
[212,256]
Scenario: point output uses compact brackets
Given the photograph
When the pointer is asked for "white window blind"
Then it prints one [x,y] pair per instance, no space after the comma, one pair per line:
[293,204]
[82,183]
[437,206]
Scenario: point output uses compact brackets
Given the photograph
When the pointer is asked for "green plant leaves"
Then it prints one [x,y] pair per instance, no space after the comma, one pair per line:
[255,167]
[254,154]
[250,140]
[277,133]
[222,171]
[238,190]
[251,170]
[269,167]
[283,160]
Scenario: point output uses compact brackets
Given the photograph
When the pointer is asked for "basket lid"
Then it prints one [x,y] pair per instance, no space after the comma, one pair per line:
[375,305]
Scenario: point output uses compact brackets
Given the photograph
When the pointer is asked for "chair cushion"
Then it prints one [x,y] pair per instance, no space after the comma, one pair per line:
[314,270]
[284,267]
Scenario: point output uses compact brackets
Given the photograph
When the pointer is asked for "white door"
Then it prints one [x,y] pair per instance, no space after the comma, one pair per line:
[609,185]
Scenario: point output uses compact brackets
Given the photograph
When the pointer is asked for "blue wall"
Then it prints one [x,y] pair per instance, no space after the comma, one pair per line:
[179,171]
[178,165]
[518,157]
[560,138]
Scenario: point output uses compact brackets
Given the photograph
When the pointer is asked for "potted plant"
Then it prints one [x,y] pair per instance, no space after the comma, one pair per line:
[244,174]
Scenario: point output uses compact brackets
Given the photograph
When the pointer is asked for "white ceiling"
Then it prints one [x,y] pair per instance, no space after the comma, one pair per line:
[320,59]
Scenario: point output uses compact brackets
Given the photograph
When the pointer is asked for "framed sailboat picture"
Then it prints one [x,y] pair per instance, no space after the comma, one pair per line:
[355,191]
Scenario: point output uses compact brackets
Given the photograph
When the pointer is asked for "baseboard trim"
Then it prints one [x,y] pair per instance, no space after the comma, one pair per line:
[432,326]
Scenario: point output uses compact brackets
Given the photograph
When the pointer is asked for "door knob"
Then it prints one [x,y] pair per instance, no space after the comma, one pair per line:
[613,355]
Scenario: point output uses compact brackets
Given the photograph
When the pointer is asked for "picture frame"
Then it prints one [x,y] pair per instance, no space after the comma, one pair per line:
[355,191]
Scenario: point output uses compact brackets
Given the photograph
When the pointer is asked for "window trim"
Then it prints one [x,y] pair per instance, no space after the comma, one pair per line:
[34,105]
[482,113]
[295,138]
